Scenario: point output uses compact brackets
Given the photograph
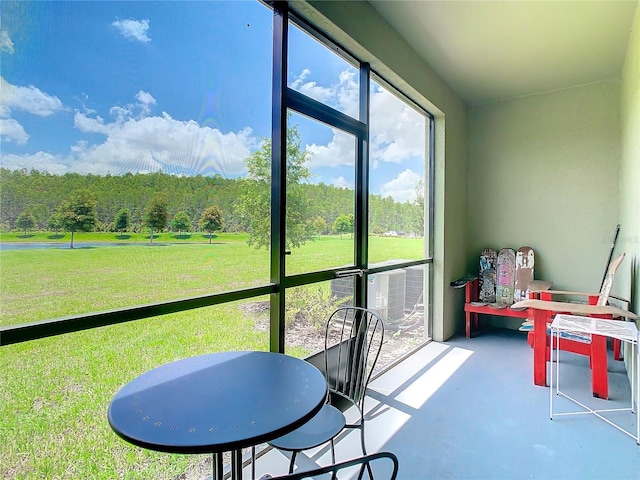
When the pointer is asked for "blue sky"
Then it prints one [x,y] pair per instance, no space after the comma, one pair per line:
[182,87]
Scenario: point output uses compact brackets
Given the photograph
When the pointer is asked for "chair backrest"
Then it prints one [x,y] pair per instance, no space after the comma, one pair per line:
[608,281]
[378,466]
[353,339]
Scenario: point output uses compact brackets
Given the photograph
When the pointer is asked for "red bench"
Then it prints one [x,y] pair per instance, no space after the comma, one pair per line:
[472,308]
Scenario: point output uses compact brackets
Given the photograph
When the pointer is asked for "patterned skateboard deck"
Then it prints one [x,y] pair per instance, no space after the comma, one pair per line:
[505,278]
[524,272]
[487,276]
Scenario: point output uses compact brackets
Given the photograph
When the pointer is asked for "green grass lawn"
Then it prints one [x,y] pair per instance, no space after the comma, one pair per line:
[54,392]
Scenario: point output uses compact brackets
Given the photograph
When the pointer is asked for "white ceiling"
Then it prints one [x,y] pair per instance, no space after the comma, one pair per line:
[492,50]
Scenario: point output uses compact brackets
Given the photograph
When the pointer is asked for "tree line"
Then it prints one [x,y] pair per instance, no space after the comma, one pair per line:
[30,199]
[33,199]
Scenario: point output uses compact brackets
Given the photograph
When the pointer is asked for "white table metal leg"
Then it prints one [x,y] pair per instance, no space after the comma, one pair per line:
[636,348]
[551,375]
[634,382]
[627,333]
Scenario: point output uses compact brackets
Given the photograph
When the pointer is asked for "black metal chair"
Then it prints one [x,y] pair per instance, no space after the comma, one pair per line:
[353,339]
[379,466]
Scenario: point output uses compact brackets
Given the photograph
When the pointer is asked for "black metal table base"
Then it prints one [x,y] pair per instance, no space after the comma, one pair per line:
[218,465]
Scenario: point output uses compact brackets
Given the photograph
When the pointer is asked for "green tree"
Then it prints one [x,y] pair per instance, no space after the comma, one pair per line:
[211,220]
[181,222]
[157,214]
[54,222]
[320,225]
[417,211]
[78,212]
[25,221]
[343,224]
[122,221]
[254,202]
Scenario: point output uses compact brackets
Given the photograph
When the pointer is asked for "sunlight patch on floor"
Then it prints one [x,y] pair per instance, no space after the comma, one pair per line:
[395,395]
[419,391]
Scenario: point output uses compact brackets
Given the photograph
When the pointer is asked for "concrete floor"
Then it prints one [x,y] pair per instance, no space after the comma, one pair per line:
[468,409]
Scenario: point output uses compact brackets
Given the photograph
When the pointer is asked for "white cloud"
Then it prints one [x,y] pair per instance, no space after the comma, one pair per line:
[89,125]
[339,151]
[397,132]
[29,99]
[120,113]
[133,29]
[45,162]
[136,141]
[139,143]
[162,143]
[342,96]
[10,130]
[311,89]
[403,187]
[347,93]
[342,182]
[145,101]
[147,145]
[6,45]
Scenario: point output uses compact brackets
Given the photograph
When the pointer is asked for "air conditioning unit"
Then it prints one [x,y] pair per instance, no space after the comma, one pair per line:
[386,294]
[342,288]
[390,294]
[414,287]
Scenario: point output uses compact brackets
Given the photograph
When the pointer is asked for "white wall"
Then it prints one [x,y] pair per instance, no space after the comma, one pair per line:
[630,166]
[556,171]
[544,171]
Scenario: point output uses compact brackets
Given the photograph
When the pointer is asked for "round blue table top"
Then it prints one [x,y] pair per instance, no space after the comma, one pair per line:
[217,402]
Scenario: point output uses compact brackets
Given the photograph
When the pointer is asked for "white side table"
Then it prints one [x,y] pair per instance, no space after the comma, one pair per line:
[624,331]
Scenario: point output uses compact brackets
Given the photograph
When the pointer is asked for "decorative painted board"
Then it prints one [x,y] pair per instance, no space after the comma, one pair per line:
[487,276]
[524,272]
[506,276]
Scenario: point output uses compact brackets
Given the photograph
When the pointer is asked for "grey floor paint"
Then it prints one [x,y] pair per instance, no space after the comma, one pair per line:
[468,409]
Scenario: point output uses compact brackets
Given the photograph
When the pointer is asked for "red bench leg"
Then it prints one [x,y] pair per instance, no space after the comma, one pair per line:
[470,295]
[539,347]
[615,344]
[599,380]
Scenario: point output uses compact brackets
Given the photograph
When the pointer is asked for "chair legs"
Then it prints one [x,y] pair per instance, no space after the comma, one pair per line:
[294,453]
[333,452]
[292,462]
[253,463]
[364,450]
